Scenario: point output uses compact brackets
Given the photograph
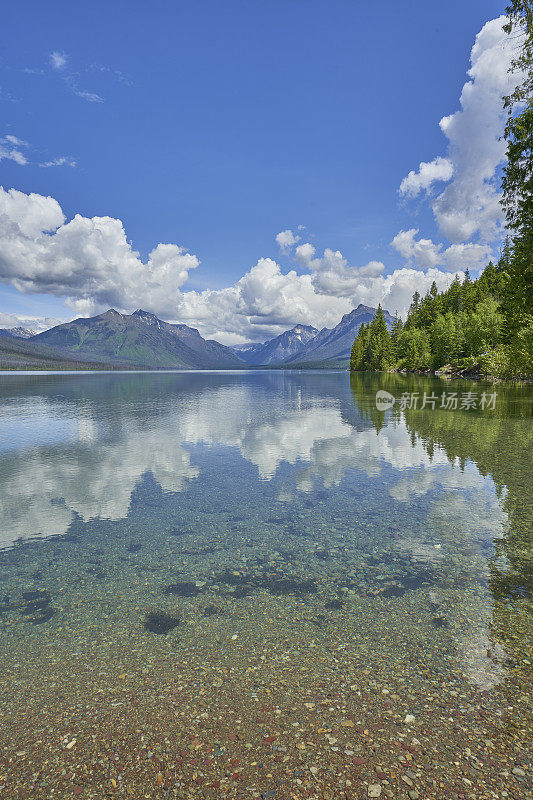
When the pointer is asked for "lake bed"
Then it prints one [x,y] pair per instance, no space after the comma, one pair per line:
[259,585]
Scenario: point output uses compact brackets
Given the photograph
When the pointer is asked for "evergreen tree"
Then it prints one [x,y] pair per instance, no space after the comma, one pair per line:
[356,358]
[463,326]
[396,329]
[373,348]
[454,295]
[517,183]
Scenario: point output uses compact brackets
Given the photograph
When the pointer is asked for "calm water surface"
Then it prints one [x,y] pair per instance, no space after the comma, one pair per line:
[259,585]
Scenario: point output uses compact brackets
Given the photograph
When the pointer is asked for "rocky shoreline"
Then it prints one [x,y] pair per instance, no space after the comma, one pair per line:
[468,373]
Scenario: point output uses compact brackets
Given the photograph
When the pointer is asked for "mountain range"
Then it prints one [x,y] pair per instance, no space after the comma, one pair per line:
[334,345]
[277,350]
[143,340]
[17,333]
[138,340]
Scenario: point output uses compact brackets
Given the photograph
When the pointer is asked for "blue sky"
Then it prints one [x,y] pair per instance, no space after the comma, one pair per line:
[216,126]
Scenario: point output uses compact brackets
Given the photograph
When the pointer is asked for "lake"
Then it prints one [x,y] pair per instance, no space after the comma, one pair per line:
[257,584]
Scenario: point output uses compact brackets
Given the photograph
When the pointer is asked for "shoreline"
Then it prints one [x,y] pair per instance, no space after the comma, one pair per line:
[452,376]
[445,375]
[465,375]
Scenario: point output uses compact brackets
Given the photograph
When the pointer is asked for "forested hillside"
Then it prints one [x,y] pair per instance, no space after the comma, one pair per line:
[485,325]
[465,328]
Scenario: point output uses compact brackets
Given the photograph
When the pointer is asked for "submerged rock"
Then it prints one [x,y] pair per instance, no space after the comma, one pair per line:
[334,605]
[174,531]
[234,578]
[36,595]
[7,605]
[38,619]
[99,574]
[274,582]
[160,622]
[393,591]
[211,610]
[183,589]
[242,591]
[415,580]
[36,605]
[434,600]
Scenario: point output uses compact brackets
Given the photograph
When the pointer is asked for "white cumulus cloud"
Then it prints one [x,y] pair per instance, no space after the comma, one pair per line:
[440,169]
[58,60]
[85,259]
[469,205]
[91,265]
[425,253]
[331,274]
[287,239]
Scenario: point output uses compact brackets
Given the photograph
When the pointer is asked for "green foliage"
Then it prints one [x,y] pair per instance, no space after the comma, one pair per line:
[517,289]
[413,349]
[520,24]
[445,337]
[373,348]
[482,328]
[521,350]
[396,329]
[517,182]
[485,324]
[496,362]
[465,327]
[356,357]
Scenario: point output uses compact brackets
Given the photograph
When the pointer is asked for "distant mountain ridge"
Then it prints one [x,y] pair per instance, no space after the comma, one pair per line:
[17,333]
[277,350]
[335,344]
[144,340]
[138,339]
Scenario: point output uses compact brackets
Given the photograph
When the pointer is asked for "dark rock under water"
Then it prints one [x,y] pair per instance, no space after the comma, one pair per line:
[160,622]
[183,589]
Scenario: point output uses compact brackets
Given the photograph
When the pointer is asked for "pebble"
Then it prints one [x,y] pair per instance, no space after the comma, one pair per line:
[409,719]
[374,790]
[519,773]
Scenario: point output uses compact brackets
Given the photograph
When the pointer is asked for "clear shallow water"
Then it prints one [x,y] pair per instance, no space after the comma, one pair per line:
[327,571]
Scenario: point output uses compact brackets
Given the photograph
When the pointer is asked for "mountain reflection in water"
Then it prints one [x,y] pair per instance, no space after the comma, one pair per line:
[150,514]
